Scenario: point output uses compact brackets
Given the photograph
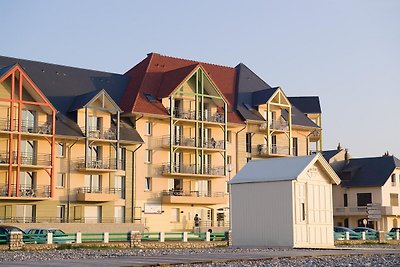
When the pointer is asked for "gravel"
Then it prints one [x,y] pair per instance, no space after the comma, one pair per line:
[82,253]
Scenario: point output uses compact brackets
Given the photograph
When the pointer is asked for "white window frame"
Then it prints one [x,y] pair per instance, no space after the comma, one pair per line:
[148,156]
[147,183]
[229,136]
[62,154]
[149,128]
[62,185]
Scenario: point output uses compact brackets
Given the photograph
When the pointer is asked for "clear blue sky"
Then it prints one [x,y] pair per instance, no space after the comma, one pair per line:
[346,52]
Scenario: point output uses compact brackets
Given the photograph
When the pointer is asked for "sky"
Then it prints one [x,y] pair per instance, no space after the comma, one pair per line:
[344,51]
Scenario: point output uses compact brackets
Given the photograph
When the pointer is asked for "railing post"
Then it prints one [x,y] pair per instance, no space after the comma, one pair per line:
[347,236]
[185,236]
[106,237]
[49,238]
[381,236]
[363,236]
[161,236]
[78,238]
[397,234]
[208,236]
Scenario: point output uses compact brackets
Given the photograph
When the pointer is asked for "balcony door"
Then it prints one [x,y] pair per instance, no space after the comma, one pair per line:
[93,214]
[28,122]
[203,187]
[94,126]
[119,184]
[27,184]
[177,135]
[28,152]
[93,183]
[25,213]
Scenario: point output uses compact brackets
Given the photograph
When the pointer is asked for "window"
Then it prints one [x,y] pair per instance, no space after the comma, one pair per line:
[119,214]
[394,200]
[93,183]
[61,213]
[363,199]
[25,213]
[119,184]
[345,200]
[295,147]
[149,156]
[303,211]
[248,142]
[175,215]
[122,158]
[60,180]
[248,159]
[61,150]
[229,160]
[147,183]
[149,128]
[229,136]
[393,179]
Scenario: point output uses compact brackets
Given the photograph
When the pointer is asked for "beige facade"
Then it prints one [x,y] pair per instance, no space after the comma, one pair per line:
[353,215]
[80,169]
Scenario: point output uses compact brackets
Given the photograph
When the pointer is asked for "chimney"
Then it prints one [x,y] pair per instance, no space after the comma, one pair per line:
[386,154]
[347,156]
[339,147]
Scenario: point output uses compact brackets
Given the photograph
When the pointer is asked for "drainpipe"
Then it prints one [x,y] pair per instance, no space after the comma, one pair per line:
[133,181]
[237,148]
[236,169]
[69,180]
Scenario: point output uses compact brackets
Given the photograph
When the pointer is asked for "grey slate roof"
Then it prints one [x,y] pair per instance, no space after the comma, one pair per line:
[298,118]
[68,87]
[368,171]
[57,81]
[253,91]
[306,104]
[274,169]
[262,96]
[328,154]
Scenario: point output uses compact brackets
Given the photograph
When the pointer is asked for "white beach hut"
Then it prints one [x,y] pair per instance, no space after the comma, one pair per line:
[283,202]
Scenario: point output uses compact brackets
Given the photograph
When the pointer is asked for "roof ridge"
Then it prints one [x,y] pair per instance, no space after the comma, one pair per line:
[141,83]
[61,65]
[195,61]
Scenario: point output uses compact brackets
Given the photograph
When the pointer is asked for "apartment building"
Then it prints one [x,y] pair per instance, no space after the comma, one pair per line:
[364,181]
[153,146]
[64,151]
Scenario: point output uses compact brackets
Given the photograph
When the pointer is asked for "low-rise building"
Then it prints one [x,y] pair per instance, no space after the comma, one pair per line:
[372,180]
[290,203]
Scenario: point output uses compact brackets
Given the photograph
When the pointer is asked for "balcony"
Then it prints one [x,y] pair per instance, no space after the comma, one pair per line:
[187,142]
[278,125]
[101,133]
[37,127]
[98,194]
[262,150]
[348,211]
[216,117]
[193,197]
[391,210]
[185,169]
[27,126]
[30,159]
[26,191]
[105,165]
[315,135]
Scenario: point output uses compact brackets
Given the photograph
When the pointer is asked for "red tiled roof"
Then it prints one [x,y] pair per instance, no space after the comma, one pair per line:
[159,75]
